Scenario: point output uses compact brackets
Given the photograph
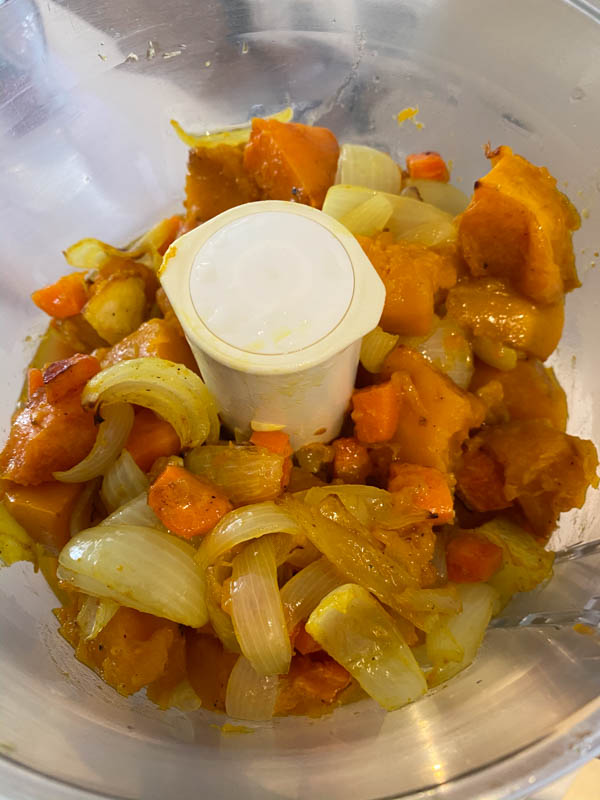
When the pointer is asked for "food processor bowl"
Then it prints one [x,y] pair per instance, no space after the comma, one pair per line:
[87,89]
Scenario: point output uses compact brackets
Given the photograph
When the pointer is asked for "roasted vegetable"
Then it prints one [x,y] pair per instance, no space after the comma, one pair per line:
[488,307]
[518,227]
[412,275]
[435,415]
[290,161]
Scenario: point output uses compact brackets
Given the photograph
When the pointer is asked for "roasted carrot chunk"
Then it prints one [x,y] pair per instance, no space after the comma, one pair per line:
[376,412]
[351,462]
[52,432]
[62,299]
[290,161]
[471,558]
[44,510]
[151,437]
[429,165]
[186,504]
[422,487]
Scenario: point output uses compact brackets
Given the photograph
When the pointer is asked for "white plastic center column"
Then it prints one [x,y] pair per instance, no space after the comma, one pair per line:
[274,298]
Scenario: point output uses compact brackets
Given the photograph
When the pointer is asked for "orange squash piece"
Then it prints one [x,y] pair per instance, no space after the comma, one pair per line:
[435,415]
[490,308]
[216,180]
[530,391]
[52,432]
[150,438]
[290,161]
[415,486]
[351,462]
[156,337]
[208,668]
[518,227]
[44,510]
[412,275]
[375,412]
[311,682]
[480,481]
[545,470]
[131,652]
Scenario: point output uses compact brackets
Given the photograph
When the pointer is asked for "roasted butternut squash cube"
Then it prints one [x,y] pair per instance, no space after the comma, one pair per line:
[518,227]
[530,391]
[491,308]
[412,275]
[435,415]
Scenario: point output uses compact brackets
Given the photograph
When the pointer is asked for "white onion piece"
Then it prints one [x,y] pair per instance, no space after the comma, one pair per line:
[496,354]
[256,609]
[135,512]
[375,348]
[110,440]
[94,615]
[359,165]
[360,635]
[302,593]
[448,349]
[241,525]
[171,390]
[237,135]
[407,213]
[138,567]
[219,619]
[247,474]
[369,217]
[432,234]
[441,195]
[123,481]
[250,696]
[466,630]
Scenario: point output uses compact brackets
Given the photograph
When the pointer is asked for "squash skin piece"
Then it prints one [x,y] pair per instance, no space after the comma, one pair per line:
[156,337]
[44,510]
[216,181]
[530,391]
[435,415]
[490,308]
[290,161]
[545,470]
[412,274]
[518,226]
